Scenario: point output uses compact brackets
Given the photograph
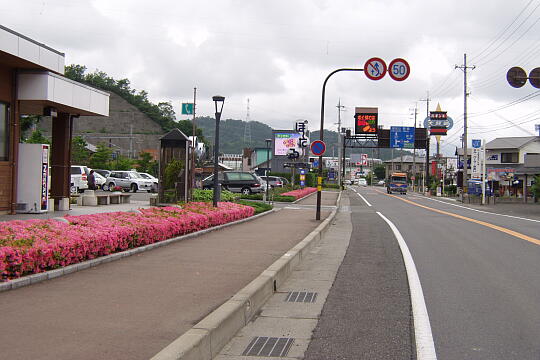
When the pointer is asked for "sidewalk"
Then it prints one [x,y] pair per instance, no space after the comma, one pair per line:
[134,307]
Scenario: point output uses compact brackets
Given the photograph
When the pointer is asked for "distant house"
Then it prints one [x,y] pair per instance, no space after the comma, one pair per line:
[512,163]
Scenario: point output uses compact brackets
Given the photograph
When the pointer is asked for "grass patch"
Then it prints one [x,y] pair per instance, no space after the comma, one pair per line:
[258,206]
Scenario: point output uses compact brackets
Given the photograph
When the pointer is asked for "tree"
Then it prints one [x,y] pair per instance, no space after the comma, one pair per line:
[172,171]
[37,138]
[145,162]
[380,171]
[536,187]
[27,122]
[123,163]
[79,152]
[100,159]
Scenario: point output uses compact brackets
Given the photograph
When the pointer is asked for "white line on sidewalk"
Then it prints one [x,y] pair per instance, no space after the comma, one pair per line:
[425,348]
[481,211]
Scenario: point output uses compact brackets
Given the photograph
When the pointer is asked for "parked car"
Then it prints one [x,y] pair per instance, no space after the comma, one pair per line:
[285,181]
[381,183]
[100,180]
[347,182]
[128,180]
[274,181]
[79,178]
[103,172]
[236,181]
[153,179]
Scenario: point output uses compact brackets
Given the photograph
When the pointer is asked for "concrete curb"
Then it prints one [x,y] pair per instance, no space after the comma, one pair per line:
[51,274]
[207,338]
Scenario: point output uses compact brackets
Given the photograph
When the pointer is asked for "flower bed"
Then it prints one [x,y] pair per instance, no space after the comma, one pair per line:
[300,193]
[34,246]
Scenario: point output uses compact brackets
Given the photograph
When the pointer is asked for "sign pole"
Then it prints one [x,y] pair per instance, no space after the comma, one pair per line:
[483,172]
[321,137]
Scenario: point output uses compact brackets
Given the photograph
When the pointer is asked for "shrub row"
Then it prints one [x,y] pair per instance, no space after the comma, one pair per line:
[34,246]
[300,193]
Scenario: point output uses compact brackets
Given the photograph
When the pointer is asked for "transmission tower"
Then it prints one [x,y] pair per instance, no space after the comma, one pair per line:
[247,129]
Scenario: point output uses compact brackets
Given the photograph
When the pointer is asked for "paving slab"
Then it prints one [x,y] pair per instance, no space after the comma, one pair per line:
[134,307]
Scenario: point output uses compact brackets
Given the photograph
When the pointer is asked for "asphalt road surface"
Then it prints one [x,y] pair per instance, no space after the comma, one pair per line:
[480,274]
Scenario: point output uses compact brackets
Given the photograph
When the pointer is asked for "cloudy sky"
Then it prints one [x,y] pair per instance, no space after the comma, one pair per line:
[277,54]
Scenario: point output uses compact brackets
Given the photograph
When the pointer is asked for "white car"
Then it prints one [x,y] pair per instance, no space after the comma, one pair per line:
[154,180]
[79,181]
[362,182]
[100,180]
[128,180]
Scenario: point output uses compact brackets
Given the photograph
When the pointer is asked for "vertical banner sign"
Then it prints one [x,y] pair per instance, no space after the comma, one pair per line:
[366,120]
[301,129]
[476,160]
[44,176]
[364,161]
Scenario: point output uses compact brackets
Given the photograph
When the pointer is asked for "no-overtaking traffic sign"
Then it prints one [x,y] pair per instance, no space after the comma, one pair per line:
[375,68]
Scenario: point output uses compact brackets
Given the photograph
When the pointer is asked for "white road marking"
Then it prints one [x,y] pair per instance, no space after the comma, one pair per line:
[425,348]
[480,211]
[363,198]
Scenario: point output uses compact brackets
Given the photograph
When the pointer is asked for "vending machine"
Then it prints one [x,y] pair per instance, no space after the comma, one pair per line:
[33,178]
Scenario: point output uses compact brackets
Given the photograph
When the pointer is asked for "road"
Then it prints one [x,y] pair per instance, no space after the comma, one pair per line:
[480,273]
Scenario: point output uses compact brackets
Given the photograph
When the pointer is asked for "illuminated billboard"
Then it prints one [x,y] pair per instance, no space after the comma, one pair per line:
[366,121]
[284,141]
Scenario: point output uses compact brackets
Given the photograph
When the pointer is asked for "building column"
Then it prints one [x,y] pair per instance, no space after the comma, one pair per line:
[61,160]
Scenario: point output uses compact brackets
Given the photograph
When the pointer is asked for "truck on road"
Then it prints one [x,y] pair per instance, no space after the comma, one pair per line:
[397,183]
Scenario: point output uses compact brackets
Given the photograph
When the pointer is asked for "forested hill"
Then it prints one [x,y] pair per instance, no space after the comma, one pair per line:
[231,135]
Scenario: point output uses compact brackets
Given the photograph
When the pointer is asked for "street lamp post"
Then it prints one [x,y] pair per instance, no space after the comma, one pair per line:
[268,142]
[218,100]
[321,133]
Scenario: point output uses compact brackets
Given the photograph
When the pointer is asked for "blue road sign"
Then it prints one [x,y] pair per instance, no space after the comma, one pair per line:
[477,144]
[402,137]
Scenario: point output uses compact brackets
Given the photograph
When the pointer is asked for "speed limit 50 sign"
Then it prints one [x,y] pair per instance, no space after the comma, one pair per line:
[399,69]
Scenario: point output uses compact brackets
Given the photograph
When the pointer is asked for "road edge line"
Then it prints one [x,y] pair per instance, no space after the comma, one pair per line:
[425,347]
[205,340]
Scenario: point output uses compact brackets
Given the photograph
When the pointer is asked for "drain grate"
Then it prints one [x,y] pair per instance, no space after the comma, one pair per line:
[301,296]
[268,346]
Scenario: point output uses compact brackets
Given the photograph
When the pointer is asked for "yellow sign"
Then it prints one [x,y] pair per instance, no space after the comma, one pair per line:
[319,180]
[302,177]
[319,188]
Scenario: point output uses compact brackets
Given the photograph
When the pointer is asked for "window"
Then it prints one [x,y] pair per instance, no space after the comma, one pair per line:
[4,132]
[75,170]
[509,158]
[233,176]
[246,176]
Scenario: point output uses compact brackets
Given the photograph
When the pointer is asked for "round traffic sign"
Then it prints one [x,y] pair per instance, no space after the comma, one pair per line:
[516,77]
[375,68]
[318,147]
[399,69]
[534,77]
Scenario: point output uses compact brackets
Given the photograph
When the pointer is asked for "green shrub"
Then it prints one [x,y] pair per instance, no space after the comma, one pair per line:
[258,206]
[172,171]
[331,186]
[208,195]
[284,198]
[252,197]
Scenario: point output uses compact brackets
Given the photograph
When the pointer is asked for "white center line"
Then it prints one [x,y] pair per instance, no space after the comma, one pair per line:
[425,348]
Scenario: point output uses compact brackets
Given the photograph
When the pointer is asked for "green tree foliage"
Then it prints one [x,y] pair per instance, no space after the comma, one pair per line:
[100,159]
[37,138]
[171,173]
[122,163]
[79,152]
[146,164]
[380,171]
[27,122]
[163,113]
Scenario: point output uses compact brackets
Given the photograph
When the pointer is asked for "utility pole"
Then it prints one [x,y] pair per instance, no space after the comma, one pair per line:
[414,147]
[192,177]
[340,109]
[464,67]
[426,176]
